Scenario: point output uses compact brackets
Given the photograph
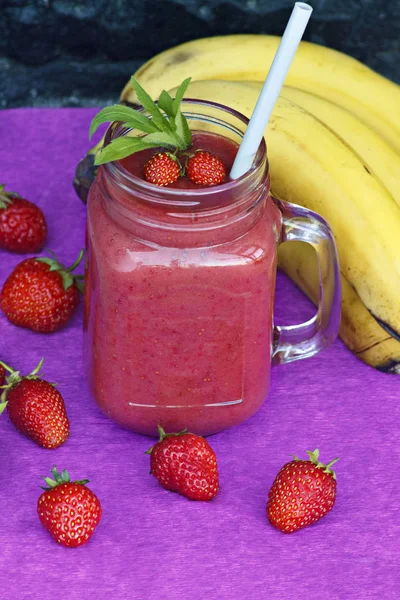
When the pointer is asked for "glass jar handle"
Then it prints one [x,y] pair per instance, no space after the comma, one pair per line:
[302,341]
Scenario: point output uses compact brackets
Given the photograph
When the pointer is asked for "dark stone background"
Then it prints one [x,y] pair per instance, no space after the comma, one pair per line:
[81,53]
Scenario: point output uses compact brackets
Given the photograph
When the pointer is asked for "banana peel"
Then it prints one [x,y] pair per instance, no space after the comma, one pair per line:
[379,346]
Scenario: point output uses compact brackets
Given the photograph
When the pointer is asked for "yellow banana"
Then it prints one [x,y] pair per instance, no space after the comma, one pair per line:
[312,166]
[317,69]
[359,330]
[379,157]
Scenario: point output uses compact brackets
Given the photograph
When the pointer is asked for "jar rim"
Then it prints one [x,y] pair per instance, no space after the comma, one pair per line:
[128,180]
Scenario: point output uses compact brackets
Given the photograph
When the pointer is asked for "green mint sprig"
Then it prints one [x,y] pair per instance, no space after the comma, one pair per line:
[164,125]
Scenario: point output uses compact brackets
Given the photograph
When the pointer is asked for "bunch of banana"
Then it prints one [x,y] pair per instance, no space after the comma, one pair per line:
[333,146]
[315,69]
[313,164]
[319,70]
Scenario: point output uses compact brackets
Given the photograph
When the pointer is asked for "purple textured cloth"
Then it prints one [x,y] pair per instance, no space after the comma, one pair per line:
[152,543]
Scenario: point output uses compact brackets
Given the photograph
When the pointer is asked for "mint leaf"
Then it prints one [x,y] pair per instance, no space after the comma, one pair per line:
[120,148]
[162,139]
[130,116]
[183,131]
[165,102]
[164,124]
[150,106]
[180,92]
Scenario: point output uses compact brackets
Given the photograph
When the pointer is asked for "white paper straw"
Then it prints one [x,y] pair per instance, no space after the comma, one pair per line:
[271,89]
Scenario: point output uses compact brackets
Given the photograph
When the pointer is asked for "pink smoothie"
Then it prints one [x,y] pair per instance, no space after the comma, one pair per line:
[178,327]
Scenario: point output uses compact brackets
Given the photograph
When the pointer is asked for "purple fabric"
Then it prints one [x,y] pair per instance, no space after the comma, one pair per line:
[151,543]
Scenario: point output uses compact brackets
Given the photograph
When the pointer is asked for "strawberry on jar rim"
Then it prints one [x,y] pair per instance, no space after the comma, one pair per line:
[23,226]
[162,169]
[35,407]
[205,168]
[302,493]
[41,294]
[68,510]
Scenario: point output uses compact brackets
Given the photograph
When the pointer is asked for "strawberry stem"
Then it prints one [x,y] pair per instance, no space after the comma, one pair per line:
[66,275]
[329,465]
[161,432]
[79,283]
[76,263]
[314,460]
[36,369]
[164,435]
[60,478]
[11,381]
[6,367]
[15,377]
[6,198]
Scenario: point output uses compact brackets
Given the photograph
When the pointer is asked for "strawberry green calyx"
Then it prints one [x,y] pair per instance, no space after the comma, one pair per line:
[6,198]
[314,460]
[2,406]
[162,124]
[12,379]
[164,435]
[66,273]
[175,159]
[60,478]
[15,377]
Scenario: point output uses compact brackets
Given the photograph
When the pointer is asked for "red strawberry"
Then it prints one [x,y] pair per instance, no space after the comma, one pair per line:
[162,169]
[303,492]
[41,294]
[22,224]
[185,463]
[36,408]
[68,510]
[205,168]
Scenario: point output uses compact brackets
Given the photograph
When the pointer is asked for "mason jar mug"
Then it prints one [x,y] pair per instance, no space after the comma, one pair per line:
[179,294]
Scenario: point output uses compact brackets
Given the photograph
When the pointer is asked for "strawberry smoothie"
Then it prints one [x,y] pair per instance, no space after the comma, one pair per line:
[180,286]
